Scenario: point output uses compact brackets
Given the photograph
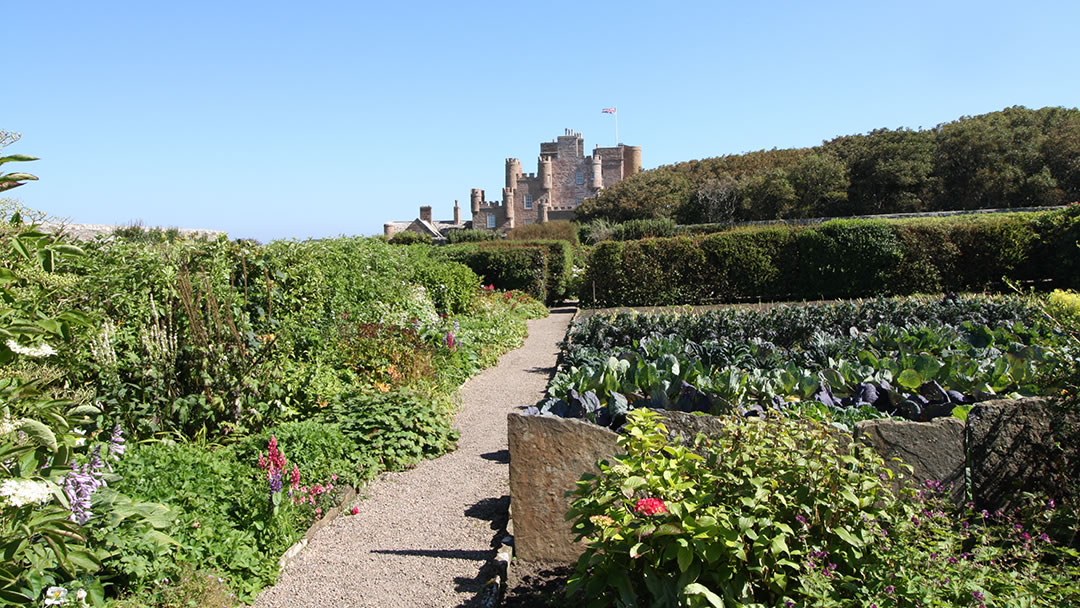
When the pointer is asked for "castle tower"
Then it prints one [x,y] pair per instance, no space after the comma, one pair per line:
[545,173]
[543,212]
[513,171]
[631,160]
[597,173]
[508,203]
[476,198]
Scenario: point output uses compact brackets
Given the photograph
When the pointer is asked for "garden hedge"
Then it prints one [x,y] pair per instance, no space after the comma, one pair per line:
[521,268]
[838,259]
[543,273]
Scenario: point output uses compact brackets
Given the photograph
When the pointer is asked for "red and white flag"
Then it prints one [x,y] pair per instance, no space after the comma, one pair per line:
[607,111]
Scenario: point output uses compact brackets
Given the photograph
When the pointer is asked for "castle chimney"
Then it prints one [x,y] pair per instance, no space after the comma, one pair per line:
[457,213]
[425,213]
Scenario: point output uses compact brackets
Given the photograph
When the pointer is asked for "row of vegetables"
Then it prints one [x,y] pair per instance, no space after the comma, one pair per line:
[914,358]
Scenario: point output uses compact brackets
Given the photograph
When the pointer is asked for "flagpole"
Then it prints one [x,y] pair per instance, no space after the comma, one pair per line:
[616,127]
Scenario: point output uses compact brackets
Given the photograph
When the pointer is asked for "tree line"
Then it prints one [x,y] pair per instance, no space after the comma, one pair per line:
[1013,158]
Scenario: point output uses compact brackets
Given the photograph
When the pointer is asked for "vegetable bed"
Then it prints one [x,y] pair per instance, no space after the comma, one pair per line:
[914,358]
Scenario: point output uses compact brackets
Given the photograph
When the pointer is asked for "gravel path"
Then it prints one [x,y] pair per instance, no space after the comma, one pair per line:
[423,536]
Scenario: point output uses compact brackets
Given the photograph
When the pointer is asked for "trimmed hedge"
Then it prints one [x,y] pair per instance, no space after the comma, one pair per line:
[560,230]
[838,259]
[471,235]
[552,268]
[521,268]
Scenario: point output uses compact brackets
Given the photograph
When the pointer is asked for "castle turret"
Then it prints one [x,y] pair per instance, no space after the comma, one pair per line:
[545,172]
[543,212]
[476,198]
[513,170]
[597,173]
[631,161]
[508,203]
[457,213]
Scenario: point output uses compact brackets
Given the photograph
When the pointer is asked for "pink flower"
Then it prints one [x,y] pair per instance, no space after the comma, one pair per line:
[355,510]
[295,480]
[650,506]
[333,477]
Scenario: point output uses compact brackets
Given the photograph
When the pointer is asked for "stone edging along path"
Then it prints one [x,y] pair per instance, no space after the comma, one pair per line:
[424,538]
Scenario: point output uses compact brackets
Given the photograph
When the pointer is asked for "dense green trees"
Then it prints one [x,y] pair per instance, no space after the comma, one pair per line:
[1013,158]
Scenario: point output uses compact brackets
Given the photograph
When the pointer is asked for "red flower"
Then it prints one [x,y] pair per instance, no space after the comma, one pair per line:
[355,510]
[295,477]
[650,506]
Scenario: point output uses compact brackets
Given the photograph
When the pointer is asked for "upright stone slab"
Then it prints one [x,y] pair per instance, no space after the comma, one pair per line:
[934,450]
[1025,445]
[547,457]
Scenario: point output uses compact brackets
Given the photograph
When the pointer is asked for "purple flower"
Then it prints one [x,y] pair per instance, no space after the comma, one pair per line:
[800,519]
[80,484]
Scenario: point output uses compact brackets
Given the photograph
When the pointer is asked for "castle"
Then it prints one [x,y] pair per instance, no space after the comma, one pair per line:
[565,177]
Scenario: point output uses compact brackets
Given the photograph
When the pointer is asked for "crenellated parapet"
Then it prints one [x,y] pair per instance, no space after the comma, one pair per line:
[564,178]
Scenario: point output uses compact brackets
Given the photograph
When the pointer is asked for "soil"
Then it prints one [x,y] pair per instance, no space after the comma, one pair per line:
[537,585]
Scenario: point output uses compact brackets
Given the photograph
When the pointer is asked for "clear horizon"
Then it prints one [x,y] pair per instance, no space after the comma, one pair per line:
[275,120]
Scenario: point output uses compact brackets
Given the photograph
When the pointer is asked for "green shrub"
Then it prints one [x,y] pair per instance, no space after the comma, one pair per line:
[471,235]
[748,264]
[559,262]
[450,285]
[408,237]
[633,230]
[1064,306]
[224,521]
[517,267]
[991,247]
[837,259]
[782,513]
[846,258]
[559,230]
[319,449]
[396,429]
[742,514]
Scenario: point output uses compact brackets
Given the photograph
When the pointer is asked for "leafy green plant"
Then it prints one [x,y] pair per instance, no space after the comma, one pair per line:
[471,235]
[781,513]
[728,520]
[397,429]
[406,237]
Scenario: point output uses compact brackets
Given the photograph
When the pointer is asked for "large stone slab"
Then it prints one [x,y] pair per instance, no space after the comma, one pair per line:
[1027,445]
[934,450]
[547,457]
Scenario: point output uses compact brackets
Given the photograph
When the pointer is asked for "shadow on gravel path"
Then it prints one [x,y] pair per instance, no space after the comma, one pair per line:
[425,538]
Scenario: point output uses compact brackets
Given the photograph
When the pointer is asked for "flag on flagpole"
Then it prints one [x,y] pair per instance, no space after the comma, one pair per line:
[607,111]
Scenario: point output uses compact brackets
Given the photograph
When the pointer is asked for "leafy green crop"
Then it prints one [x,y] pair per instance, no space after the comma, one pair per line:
[841,362]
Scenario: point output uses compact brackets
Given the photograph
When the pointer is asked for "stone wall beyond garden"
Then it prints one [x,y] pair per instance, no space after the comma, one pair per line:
[1004,448]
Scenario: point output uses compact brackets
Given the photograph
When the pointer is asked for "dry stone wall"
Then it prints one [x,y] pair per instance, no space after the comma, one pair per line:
[1006,447]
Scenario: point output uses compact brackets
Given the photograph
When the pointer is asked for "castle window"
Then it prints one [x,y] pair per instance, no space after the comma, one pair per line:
[579,178]
[579,200]
[528,221]
[491,220]
[528,202]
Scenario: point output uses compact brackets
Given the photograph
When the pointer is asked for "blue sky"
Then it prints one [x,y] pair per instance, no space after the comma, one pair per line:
[293,120]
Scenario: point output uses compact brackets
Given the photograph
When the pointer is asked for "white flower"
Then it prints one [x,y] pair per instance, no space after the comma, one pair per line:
[21,492]
[81,596]
[54,596]
[7,425]
[81,439]
[41,350]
